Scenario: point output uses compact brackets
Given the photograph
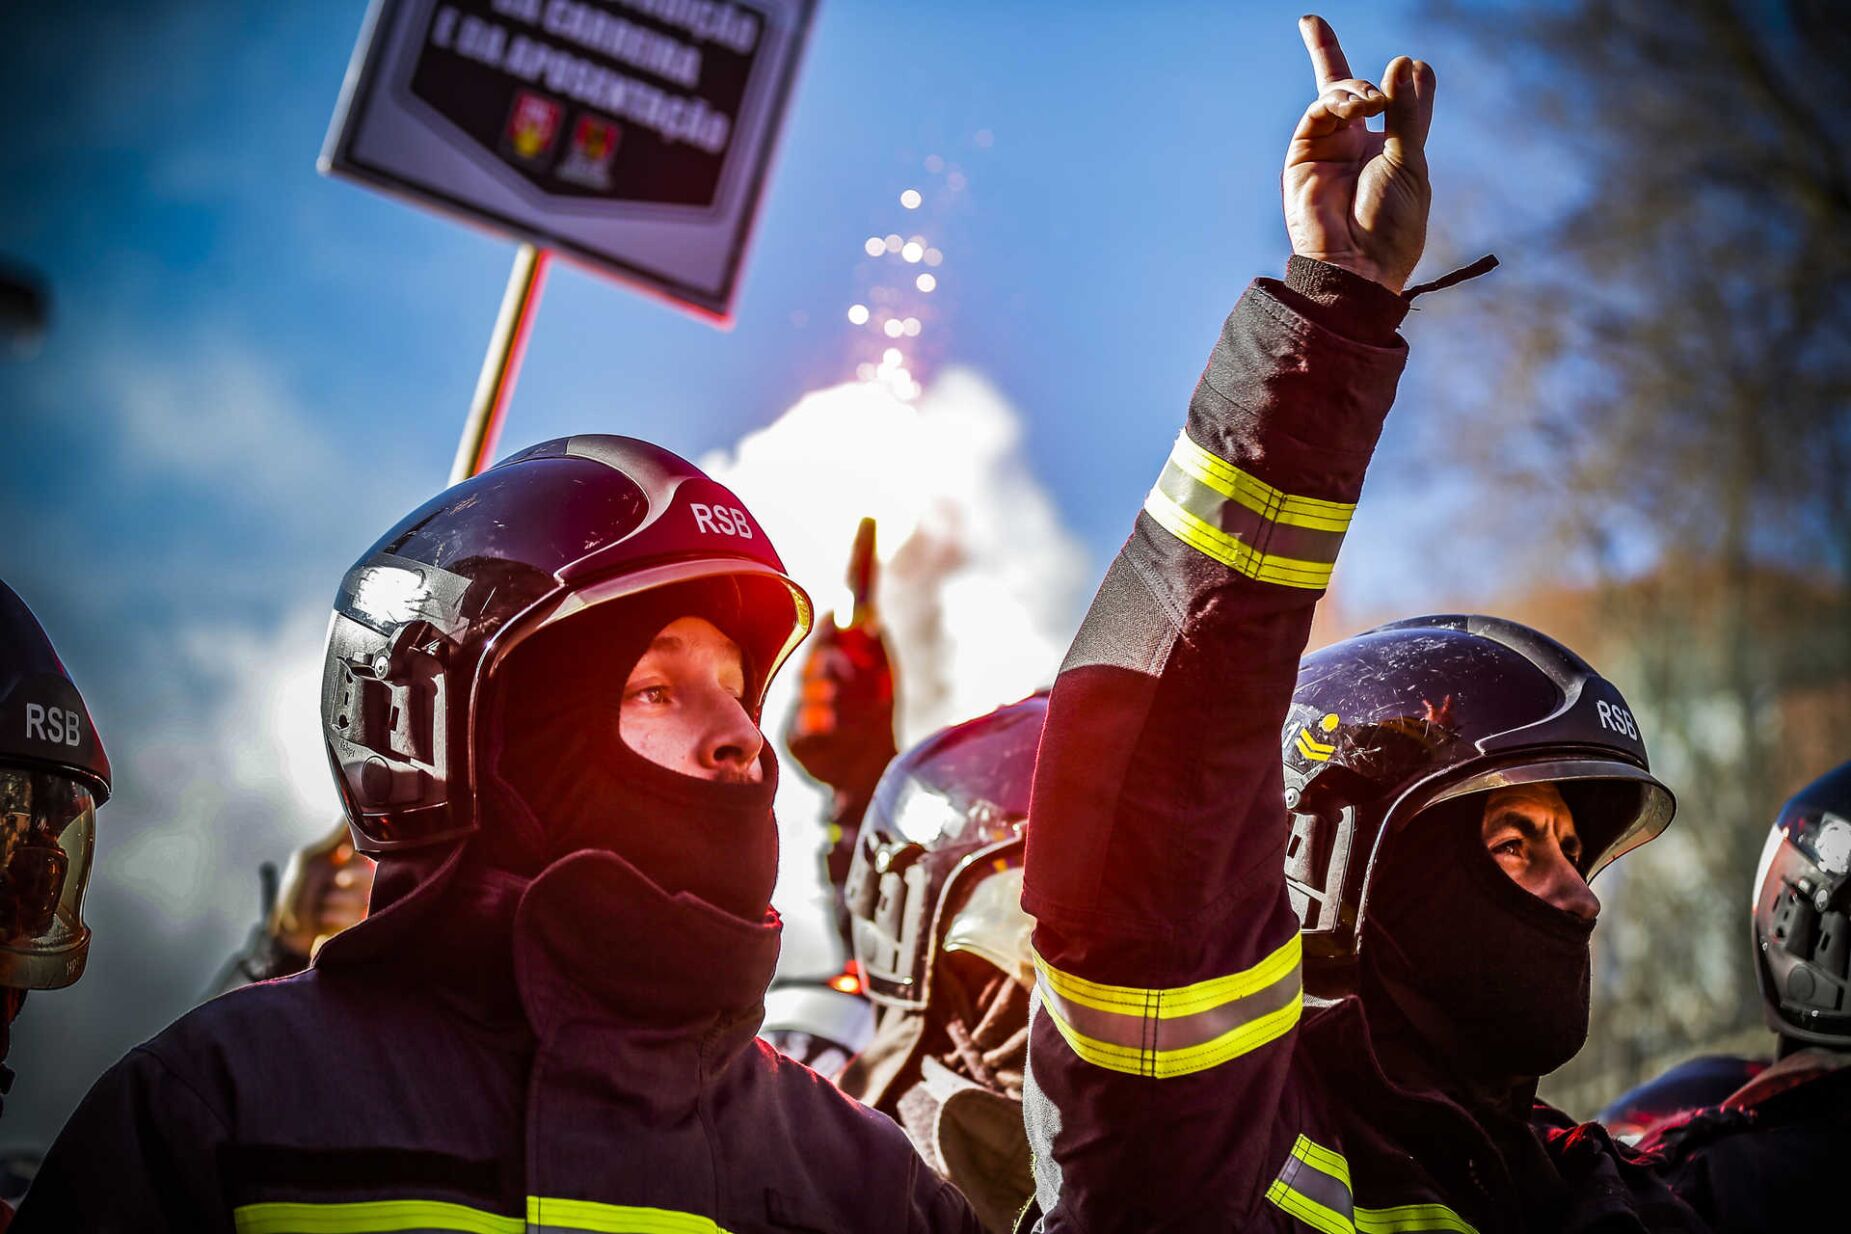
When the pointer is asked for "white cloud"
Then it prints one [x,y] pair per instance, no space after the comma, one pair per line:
[221,418]
[981,582]
[236,775]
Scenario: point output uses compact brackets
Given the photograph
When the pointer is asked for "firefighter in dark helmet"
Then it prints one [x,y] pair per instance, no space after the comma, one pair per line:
[541,701]
[53,776]
[1454,783]
[934,897]
[1762,1157]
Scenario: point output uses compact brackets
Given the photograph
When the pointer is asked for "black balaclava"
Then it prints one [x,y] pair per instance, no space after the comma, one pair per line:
[1490,980]
[555,748]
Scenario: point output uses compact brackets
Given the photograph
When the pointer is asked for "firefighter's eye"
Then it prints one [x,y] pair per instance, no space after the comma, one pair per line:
[654,696]
[1512,847]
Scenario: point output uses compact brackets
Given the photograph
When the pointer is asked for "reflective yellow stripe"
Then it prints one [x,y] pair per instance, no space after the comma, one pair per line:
[1409,1218]
[1171,1032]
[383,1216]
[1321,1158]
[1182,1000]
[1314,1186]
[1309,1211]
[554,1214]
[370,1216]
[1256,494]
[1245,523]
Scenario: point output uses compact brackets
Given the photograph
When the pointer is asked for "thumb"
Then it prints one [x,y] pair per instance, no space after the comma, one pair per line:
[1409,85]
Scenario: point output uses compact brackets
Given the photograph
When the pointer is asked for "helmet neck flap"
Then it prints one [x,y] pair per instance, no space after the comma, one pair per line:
[553,744]
[1466,975]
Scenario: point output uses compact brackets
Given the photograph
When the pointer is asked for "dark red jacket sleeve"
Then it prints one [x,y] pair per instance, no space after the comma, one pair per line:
[1167,950]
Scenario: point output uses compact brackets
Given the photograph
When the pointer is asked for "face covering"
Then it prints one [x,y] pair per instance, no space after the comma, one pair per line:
[575,785]
[1493,978]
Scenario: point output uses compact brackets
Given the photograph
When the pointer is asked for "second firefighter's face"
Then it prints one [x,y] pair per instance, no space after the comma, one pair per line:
[1530,832]
[684,705]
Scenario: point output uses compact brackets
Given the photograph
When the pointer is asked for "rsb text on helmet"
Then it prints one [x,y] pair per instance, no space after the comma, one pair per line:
[53,724]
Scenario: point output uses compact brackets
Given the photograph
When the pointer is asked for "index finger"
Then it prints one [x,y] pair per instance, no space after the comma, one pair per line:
[1326,54]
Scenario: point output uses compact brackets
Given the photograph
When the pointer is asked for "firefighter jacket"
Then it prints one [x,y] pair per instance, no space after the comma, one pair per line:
[1177,1080]
[1765,1159]
[490,1054]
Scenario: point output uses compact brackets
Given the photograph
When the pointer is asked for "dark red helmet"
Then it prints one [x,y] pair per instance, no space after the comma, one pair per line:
[1407,715]
[1802,915]
[423,621]
[946,828]
[53,775]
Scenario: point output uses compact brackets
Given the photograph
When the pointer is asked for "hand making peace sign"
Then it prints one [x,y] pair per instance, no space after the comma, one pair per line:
[1354,198]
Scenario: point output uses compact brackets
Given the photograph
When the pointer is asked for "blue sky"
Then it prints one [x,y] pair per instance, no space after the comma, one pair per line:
[254,370]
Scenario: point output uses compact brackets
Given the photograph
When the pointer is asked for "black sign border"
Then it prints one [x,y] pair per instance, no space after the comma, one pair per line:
[715,307]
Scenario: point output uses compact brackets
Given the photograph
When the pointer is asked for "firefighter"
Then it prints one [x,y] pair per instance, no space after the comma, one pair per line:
[1759,1158]
[841,732]
[941,944]
[53,776]
[540,701]
[1178,1077]
[323,890]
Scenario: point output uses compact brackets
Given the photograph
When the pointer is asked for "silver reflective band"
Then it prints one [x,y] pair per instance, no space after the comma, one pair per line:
[1244,523]
[1166,1032]
[1314,1187]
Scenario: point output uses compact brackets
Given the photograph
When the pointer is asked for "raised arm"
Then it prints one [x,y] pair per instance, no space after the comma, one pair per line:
[1168,952]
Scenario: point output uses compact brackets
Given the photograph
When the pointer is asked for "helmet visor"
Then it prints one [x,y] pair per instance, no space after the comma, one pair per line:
[772,614]
[991,924]
[1616,806]
[47,837]
[1825,838]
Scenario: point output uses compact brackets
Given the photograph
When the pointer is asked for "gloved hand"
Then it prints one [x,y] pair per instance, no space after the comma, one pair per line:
[841,731]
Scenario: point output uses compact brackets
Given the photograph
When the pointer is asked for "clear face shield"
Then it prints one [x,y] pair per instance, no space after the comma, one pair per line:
[1615,807]
[47,839]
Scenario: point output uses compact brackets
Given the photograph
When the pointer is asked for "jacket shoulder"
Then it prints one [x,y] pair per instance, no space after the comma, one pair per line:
[811,1098]
[847,1162]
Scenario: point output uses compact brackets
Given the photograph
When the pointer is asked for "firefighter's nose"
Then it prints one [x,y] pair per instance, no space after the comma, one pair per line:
[1565,888]
[733,740]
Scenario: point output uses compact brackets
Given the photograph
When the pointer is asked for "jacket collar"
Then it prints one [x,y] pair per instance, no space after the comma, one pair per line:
[596,940]
[589,939]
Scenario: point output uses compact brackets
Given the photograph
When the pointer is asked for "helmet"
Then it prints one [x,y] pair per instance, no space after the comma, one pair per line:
[938,866]
[1801,929]
[1416,712]
[53,775]
[427,616]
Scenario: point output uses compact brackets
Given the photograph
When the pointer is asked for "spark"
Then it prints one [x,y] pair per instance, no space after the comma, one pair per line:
[858,314]
[893,327]
[912,251]
[911,199]
[933,257]
[912,327]
[894,243]
[875,246]
[925,282]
